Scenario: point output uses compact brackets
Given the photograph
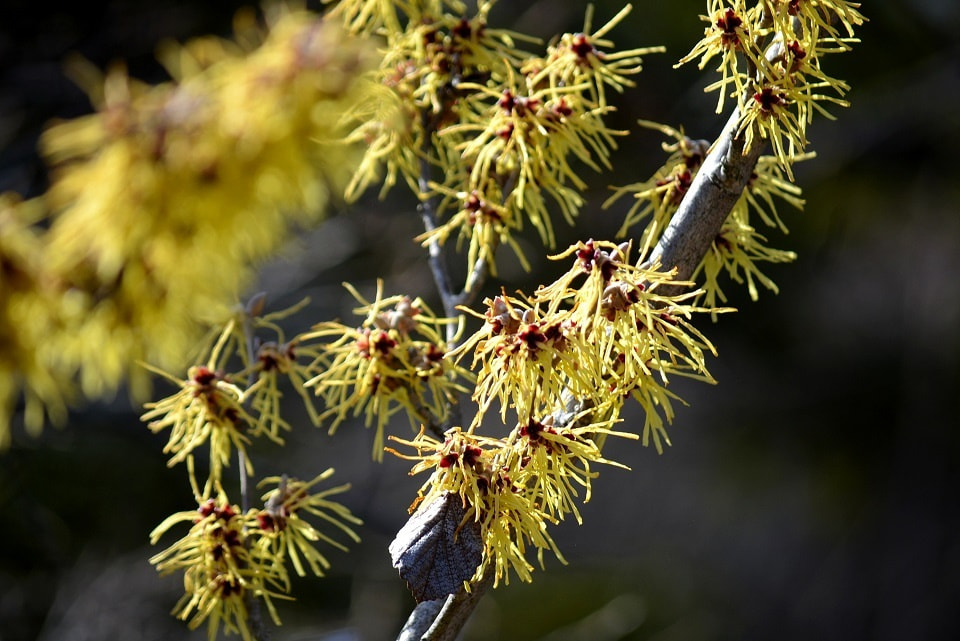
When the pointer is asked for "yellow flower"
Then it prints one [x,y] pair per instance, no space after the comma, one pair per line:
[598,342]
[734,30]
[771,56]
[229,558]
[766,183]
[512,487]
[738,248]
[393,362]
[483,223]
[780,112]
[640,337]
[519,140]
[477,469]
[283,532]
[661,194]
[816,16]
[220,570]
[428,54]
[526,357]
[579,58]
[504,129]
[207,409]
[554,459]
[270,361]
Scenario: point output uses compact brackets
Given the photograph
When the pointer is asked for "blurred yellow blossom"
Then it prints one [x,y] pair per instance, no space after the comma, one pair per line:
[28,318]
[164,199]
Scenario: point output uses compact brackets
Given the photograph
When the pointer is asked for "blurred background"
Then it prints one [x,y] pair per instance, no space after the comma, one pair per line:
[811,494]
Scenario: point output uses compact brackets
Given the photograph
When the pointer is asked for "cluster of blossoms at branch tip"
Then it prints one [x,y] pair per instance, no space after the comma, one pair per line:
[395,360]
[770,63]
[505,129]
[229,557]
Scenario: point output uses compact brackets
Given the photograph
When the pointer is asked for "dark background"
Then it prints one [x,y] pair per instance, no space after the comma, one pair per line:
[811,494]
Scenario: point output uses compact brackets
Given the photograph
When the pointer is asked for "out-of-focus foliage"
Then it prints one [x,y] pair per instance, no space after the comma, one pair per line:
[164,200]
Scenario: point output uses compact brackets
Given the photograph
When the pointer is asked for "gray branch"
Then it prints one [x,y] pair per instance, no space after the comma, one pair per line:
[443,619]
[706,205]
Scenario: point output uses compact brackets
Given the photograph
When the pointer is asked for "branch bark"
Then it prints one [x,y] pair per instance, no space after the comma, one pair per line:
[706,205]
[443,619]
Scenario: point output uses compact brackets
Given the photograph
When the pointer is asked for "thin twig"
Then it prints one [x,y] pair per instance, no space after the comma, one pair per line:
[475,279]
[253,308]
[254,616]
[428,212]
[437,261]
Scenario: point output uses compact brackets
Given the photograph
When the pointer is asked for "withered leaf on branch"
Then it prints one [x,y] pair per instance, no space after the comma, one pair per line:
[433,553]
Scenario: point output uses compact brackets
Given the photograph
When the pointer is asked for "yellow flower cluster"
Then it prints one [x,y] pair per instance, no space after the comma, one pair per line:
[601,340]
[230,558]
[235,395]
[283,531]
[219,570]
[393,361]
[163,200]
[512,487]
[506,130]
[738,248]
[564,361]
[770,63]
